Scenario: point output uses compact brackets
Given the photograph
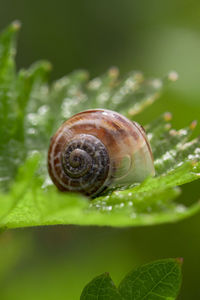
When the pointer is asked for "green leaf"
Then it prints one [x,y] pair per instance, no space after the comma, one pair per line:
[30,112]
[27,204]
[159,280]
[101,288]
[155,281]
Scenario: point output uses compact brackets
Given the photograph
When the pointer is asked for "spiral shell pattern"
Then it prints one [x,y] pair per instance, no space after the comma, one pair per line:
[98,148]
[86,163]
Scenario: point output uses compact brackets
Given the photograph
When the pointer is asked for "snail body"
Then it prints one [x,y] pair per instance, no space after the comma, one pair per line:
[98,148]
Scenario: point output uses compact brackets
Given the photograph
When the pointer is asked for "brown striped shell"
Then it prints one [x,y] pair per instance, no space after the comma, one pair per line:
[98,148]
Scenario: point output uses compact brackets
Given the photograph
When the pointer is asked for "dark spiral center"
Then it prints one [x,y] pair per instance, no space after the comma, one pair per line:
[77,162]
[85,162]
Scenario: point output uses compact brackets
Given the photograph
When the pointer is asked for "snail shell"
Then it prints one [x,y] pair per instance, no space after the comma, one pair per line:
[98,148]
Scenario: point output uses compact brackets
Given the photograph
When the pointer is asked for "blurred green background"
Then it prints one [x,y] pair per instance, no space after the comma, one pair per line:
[152,36]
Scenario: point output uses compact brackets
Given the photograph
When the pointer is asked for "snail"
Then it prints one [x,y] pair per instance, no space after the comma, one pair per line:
[96,149]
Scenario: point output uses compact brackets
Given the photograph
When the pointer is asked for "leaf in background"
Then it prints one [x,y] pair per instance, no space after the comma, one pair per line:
[30,112]
[154,281]
[101,288]
[7,104]
[15,93]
